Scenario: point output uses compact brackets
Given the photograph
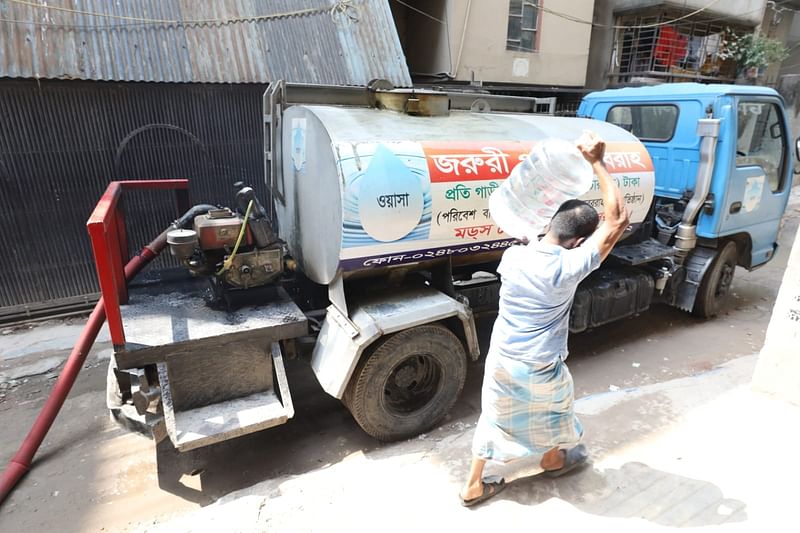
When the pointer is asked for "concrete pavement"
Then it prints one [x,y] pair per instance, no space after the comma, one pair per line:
[703,452]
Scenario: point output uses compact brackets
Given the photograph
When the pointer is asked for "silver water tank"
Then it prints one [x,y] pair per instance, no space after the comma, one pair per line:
[364,188]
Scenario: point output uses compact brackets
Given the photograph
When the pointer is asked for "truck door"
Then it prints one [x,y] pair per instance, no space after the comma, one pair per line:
[758,187]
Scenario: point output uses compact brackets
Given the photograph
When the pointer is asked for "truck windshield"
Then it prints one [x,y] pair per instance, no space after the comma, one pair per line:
[647,122]
[760,140]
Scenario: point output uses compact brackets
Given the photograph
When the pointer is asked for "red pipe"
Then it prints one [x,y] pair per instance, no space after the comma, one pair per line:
[21,462]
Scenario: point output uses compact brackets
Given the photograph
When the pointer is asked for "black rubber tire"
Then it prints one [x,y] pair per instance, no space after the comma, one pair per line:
[716,285]
[408,383]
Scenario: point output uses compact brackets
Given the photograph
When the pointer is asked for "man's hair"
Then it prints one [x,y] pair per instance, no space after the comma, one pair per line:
[573,220]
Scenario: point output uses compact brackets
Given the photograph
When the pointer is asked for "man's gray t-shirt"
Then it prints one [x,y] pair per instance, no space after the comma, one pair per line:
[538,284]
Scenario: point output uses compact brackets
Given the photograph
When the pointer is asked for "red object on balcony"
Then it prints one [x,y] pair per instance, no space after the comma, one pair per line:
[670,47]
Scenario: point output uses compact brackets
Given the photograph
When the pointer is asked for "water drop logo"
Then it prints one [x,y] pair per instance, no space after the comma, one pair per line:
[390,197]
[298,143]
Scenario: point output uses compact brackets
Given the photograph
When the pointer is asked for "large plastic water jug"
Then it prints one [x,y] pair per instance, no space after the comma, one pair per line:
[554,172]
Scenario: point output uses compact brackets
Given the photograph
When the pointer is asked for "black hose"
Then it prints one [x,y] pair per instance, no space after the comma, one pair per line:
[189,216]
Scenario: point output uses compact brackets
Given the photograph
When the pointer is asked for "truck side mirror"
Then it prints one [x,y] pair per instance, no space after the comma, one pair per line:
[797,148]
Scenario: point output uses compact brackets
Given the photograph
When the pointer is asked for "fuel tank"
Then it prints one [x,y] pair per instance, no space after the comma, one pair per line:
[364,189]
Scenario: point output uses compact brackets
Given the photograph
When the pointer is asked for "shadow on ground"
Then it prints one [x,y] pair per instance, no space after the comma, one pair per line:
[634,490]
[322,433]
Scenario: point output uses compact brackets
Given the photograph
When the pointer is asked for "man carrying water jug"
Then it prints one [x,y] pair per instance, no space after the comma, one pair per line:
[527,394]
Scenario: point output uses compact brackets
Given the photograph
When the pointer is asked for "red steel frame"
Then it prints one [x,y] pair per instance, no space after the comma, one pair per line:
[106,228]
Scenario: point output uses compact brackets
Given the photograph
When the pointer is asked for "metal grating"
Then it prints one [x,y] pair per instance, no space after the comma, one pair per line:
[62,142]
[688,50]
[567,108]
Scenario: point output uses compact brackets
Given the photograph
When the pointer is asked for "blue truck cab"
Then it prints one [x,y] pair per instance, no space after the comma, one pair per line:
[723,158]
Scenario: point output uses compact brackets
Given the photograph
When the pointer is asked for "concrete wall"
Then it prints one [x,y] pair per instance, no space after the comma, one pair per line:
[481,54]
[424,40]
[778,369]
[778,28]
[789,76]
[791,65]
[602,42]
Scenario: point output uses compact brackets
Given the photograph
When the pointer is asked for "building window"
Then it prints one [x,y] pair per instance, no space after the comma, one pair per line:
[523,18]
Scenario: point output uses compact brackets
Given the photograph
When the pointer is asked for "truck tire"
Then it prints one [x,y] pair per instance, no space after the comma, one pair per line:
[408,383]
[716,284]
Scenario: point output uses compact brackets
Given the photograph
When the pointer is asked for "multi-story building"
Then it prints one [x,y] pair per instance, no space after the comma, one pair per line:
[520,44]
[649,41]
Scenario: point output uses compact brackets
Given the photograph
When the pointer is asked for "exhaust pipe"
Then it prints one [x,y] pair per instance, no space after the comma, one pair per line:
[686,236]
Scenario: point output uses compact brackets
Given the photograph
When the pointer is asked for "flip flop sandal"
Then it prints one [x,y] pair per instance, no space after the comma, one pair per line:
[490,488]
[573,458]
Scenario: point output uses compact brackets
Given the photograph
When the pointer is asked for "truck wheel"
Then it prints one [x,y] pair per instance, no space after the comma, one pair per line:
[408,383]
[716,284]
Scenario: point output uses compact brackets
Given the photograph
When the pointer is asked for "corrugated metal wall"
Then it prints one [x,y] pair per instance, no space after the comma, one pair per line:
[62,142]
[240,41]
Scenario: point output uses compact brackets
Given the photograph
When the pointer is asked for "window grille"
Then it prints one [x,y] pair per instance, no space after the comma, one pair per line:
[687,50]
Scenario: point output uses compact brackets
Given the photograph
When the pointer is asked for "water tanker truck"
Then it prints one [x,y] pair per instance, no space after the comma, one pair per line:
[374,248]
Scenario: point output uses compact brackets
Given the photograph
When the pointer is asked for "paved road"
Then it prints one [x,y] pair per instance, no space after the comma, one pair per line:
[91,475]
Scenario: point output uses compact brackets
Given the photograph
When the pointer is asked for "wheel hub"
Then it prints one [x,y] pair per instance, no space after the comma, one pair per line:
[412,384]
[406,377]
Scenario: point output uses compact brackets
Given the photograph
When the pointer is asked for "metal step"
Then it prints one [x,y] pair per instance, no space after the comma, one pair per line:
[225,420]
[192,421]
[642,252]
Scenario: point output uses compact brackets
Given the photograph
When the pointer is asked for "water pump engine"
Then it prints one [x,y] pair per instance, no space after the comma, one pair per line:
[236,248]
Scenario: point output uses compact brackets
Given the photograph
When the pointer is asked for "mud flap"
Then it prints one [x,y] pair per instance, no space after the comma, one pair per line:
[696,266]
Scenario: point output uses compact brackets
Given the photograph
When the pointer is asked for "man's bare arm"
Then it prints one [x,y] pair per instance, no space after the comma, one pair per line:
[614,212]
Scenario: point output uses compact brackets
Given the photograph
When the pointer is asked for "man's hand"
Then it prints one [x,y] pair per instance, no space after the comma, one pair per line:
[592,147]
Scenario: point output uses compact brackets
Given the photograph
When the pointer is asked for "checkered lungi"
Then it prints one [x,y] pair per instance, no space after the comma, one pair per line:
[526,409]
